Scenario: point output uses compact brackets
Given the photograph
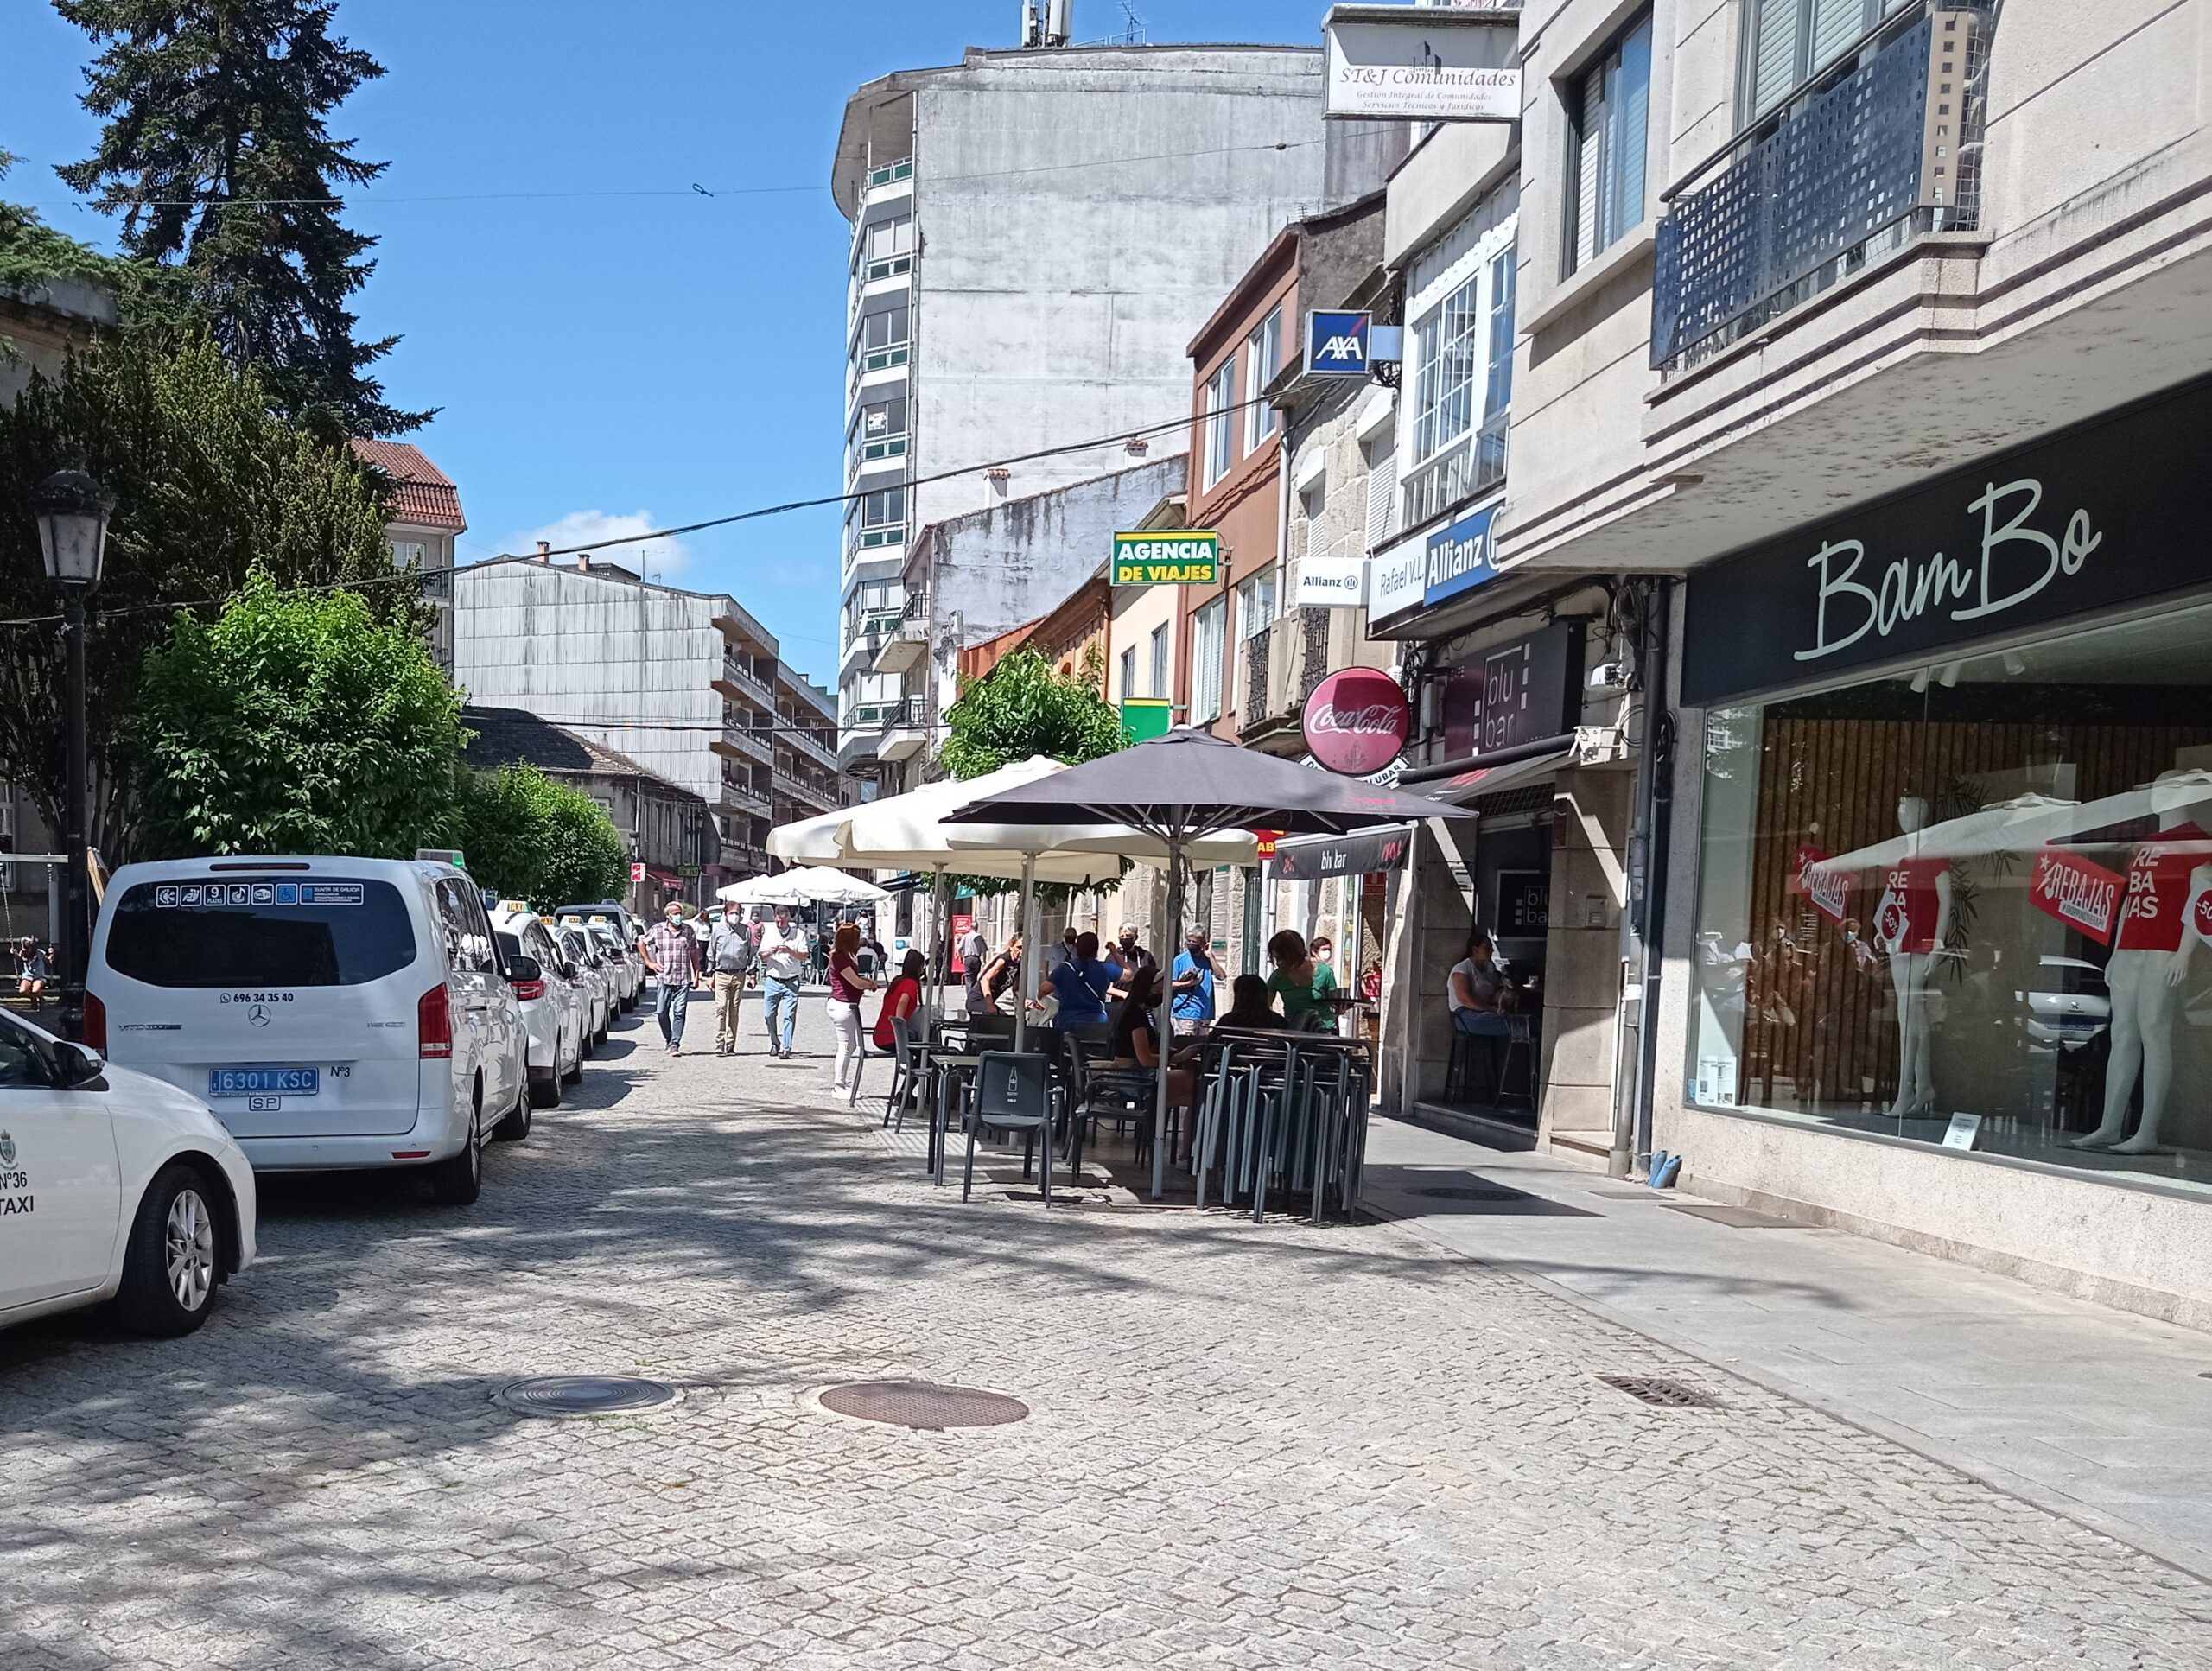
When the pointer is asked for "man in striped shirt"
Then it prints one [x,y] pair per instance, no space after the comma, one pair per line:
[672,955]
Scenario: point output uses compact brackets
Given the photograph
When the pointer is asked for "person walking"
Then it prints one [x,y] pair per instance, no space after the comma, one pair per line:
[672,955]
[731,957]
[847,983]
[1195,974]
[974,955]
[785,955]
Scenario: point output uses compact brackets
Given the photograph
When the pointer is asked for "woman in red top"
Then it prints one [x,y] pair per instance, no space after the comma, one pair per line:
[902,1001]
[846,985]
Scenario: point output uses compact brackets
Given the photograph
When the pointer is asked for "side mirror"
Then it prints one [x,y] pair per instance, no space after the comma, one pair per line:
[524,968]
[78,1068]
[567,971]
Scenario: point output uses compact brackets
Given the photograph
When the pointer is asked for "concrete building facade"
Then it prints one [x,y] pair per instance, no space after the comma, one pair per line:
[1036,234]
[1890,455]
[688,684]
[426,520]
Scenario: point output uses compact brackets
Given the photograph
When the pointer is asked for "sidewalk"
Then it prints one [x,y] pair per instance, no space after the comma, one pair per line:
[2099,1415]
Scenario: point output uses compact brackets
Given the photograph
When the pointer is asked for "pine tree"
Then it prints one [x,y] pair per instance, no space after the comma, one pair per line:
[217,152]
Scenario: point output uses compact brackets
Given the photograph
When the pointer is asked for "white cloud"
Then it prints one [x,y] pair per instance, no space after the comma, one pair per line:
[656,559]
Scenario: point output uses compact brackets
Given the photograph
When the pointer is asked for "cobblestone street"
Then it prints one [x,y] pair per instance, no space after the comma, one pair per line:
[1249,1446]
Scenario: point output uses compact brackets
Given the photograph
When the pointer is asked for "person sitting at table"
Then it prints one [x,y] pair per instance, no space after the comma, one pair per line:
[1305,987]
[1252,1007]
[900,1002]
[1480,995]
[1136,1038]
[1082,980]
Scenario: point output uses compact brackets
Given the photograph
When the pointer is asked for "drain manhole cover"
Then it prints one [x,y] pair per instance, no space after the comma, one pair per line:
[585,1395]
[922,1404]
[1669,1394]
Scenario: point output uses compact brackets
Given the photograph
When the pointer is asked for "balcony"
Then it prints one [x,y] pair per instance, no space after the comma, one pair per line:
[739,796]
[744,743]
[891,173]
[1473,465]
[741,681]
[1874,152]
[1281,668]
[906,730]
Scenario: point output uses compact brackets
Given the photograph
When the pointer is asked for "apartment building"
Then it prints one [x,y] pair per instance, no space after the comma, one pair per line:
[1036,232]
[687,684]
[426,520]
[1859,341]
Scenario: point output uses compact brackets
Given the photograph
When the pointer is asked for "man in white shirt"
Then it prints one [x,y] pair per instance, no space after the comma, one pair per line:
[785,954]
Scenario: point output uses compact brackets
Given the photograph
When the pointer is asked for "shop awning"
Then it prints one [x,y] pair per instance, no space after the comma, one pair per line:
[1466,786]
[1312,858]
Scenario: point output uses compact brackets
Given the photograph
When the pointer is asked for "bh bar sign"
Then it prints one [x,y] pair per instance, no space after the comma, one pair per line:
[1176,556]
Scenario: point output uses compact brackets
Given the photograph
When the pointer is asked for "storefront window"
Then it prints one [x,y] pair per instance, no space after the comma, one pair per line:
[1968,904]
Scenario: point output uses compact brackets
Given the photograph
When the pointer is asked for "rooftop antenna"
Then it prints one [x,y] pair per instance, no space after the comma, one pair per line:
[1059,22]
[1135,35]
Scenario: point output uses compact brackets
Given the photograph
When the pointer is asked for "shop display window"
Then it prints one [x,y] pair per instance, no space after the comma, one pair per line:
[1971,905]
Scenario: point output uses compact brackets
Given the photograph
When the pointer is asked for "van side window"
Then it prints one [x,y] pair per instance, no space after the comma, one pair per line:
[20,1062]
[452,927]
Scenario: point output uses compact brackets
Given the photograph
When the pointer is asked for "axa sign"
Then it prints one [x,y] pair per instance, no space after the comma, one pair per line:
[2104,514]
[1338,343]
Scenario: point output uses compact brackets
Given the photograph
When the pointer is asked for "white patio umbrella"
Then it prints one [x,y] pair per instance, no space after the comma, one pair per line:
[805,884]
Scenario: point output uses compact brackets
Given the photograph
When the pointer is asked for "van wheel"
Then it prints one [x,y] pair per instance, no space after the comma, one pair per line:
[516,1126]
[175,1260]
[458,1182]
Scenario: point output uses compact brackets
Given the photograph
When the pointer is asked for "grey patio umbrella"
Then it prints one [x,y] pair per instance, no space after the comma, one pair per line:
[1184,786]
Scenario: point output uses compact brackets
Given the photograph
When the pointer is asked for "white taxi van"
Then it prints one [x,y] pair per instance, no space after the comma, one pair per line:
[333,1013]
[113,1186]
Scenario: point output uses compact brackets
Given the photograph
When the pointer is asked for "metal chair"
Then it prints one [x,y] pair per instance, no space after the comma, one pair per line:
[906,1073]
[1012,1092]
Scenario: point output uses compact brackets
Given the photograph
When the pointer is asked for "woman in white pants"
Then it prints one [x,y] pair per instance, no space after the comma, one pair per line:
[846,985]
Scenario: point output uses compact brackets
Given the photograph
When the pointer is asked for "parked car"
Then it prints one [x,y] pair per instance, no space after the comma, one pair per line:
[616,926]
[334,1013]
[588,957]
[113,1186]
[555,1007]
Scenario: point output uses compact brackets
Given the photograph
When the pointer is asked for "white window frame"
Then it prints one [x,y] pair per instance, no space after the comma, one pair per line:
[1446,345]
[1608,139]
[1129,672]
[1221,443]
[1163,665]
[1256,603]
[1263,360]
[1208,648]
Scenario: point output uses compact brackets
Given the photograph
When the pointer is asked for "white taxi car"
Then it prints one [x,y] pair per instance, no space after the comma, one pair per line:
[617,933]
[590,959]
[336,1013]
[113,1186]
[554,1007]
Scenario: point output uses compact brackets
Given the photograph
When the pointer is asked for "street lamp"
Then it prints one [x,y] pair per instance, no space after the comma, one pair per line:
[71,507]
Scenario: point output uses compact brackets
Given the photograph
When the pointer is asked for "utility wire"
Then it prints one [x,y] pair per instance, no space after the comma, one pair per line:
[371,199]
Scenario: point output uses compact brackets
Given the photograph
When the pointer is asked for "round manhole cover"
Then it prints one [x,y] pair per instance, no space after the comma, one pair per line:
[922,1404]
[585,1395]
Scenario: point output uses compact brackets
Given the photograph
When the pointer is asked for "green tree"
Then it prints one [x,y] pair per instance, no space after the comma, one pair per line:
[217,151]
[1023,707]
[32,255]
[210,483]
[297,722]
[530,837]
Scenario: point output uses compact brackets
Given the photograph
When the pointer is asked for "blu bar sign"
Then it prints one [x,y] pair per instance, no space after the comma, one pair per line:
[1463,556]
[2107,513]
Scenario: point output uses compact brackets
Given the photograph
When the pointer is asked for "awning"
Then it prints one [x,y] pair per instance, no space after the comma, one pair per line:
[1467,786]
[1311,858]
[664,878]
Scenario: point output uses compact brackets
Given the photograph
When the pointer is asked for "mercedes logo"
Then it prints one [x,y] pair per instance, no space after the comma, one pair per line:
[258,1015]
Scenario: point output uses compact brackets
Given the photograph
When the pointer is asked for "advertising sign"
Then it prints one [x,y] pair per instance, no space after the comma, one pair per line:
[1167,556]
[1521,691]
[2078,892]
[1393,583]
[1829,890]
[637,872]
[1146,717]
[1337,344]
[2108,512]
[1330,583]
[1461,557]
[964,923]
[1356,721]
[1316,858]
[1427,64]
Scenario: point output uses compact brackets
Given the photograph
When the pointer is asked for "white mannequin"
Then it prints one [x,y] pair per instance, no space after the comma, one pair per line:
[1910,973]
[2145,985]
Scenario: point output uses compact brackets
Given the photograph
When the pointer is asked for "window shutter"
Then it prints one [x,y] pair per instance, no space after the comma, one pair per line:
[1589,149]
[1774,53]
[1836,24]
[1381,498]
[1627,142]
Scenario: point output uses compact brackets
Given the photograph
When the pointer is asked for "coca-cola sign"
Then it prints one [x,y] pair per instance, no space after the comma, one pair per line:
[1356,721]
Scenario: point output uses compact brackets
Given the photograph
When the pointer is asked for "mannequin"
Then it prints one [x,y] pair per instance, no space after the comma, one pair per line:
[1912,922]
[2151,954]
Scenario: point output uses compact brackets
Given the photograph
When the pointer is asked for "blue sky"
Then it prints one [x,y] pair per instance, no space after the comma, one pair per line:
[641,358]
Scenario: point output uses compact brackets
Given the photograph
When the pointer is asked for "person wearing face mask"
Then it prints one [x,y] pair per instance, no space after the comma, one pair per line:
[730,954]
[672,955]
[784,953]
